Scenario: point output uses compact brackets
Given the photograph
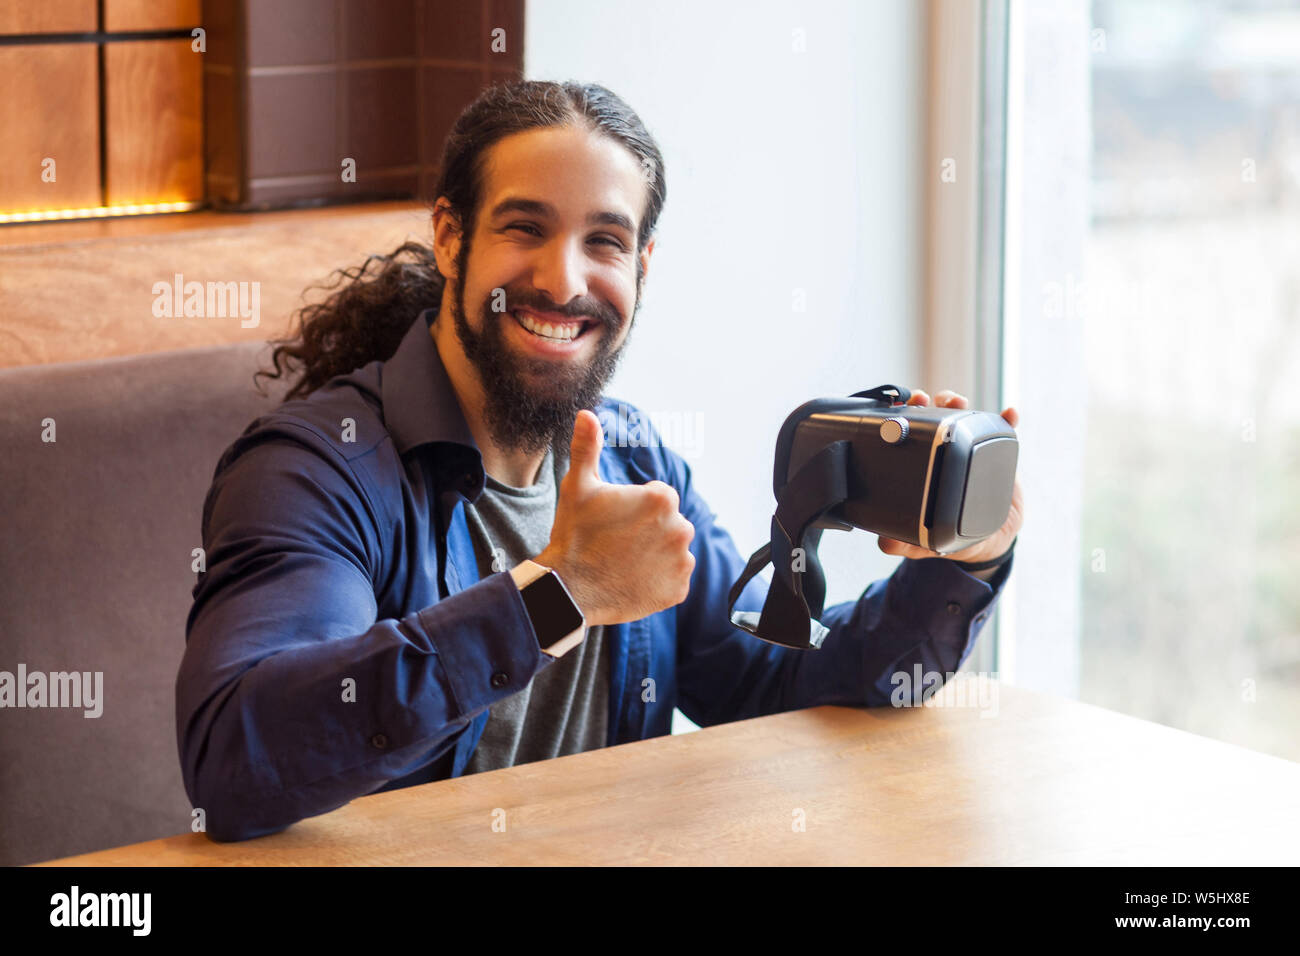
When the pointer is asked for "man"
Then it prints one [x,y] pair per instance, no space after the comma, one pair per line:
[366,622]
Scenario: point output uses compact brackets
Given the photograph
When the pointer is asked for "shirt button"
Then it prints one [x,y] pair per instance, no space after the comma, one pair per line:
[380,741]
[499,680]
[954,608]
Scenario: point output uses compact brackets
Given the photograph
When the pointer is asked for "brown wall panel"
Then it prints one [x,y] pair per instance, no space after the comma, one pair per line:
[507,15]
[223,143]
[290,32]
[150,14]
[380,131]
[447,91]
[225,25]
[48,16]
[153,104]
[293,125]
[453,30]
[49,108]
[312,82]
[380,29]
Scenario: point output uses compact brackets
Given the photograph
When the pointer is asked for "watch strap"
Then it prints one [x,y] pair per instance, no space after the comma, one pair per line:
[526,572]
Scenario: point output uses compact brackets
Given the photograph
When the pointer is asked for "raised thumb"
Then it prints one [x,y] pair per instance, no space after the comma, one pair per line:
[584,448]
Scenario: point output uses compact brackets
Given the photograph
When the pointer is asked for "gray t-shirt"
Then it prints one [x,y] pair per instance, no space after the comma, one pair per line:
[565,708]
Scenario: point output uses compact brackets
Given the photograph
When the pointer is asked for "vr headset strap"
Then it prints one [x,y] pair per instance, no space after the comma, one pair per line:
[798,589]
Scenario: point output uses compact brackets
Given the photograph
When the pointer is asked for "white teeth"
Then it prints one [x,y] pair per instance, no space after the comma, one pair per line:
[561,334]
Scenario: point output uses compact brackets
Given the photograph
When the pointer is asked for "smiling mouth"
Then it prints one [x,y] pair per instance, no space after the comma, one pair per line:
[552,331]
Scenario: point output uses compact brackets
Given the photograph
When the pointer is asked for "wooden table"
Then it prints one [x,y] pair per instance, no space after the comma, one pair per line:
[1041,780]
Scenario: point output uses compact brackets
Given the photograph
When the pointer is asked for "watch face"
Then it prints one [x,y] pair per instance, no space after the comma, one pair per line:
[551,609]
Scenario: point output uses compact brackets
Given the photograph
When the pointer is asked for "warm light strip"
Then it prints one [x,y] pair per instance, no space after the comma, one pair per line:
[97,212]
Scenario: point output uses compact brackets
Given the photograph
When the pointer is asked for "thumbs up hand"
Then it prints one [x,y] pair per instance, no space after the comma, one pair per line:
[623,551]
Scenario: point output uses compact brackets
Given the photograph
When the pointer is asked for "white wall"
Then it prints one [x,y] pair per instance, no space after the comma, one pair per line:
[786,171]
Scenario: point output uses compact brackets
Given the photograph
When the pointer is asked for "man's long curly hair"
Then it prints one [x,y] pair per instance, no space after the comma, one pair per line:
[365,319]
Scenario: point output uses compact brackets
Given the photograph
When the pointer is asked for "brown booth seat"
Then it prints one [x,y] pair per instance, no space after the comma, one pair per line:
[96,575]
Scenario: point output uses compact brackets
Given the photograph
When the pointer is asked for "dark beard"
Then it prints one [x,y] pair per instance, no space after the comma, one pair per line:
[530,403]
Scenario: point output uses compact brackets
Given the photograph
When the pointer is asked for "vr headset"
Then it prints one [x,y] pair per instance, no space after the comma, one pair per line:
[940,478]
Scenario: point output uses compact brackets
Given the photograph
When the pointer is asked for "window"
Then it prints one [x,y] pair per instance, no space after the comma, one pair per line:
[1151,330]
[1191,517]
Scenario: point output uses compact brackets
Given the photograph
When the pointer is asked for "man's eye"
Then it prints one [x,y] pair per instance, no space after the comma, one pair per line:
[532,230]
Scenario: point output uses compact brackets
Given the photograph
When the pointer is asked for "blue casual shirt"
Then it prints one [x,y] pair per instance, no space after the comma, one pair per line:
[341,641]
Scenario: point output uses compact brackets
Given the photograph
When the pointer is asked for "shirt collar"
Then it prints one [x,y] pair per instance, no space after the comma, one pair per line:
[420,405]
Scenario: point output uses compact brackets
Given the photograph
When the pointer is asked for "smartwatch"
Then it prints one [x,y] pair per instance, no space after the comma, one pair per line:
[557,620]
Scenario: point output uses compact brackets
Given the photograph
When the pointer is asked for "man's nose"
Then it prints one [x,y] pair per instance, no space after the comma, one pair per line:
[560,270]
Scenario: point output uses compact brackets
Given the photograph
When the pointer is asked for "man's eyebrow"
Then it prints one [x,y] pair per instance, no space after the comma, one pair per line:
[544,210]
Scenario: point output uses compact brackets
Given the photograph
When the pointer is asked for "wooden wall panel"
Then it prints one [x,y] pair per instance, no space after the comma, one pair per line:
[48,16]
[49,108]
[313,83]
[151,14]
[153,104]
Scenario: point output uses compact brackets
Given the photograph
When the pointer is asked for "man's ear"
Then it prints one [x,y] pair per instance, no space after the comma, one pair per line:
[645,263]
[446,237]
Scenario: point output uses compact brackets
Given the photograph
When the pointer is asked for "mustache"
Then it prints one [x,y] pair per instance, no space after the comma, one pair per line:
[589,309]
